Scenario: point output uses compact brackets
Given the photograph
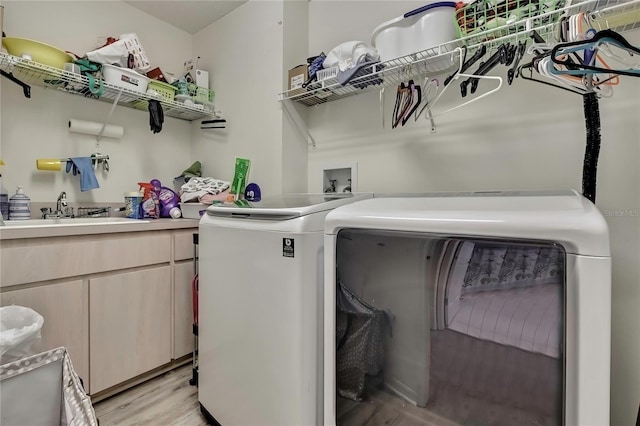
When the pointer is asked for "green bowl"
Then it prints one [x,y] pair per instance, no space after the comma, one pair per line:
[39,52]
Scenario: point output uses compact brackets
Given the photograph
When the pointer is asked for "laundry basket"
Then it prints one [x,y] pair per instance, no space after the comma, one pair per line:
[43,389]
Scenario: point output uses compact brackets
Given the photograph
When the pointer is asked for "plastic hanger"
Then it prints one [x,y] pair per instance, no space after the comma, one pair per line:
[468,63]
[513,71]
[559,52]
[462,75]
[417,100]
[500,56]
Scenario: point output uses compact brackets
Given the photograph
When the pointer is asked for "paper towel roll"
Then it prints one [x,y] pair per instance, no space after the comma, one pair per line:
[93,128]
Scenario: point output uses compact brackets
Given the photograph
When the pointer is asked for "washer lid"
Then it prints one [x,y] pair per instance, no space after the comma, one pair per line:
[283,207]
[565,217]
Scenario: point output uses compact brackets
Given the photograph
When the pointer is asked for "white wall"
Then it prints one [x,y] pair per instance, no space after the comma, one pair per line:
[527,136]
[37,127]
[243,52]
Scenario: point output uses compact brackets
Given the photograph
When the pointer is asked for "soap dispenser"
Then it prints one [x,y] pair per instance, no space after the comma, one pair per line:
[19,206]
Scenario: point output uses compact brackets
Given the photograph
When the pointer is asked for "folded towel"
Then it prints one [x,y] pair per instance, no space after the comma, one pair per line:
[84,167]
[199,186]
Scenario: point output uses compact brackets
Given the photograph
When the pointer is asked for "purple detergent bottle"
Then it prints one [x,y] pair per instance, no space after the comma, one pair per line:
[169,200]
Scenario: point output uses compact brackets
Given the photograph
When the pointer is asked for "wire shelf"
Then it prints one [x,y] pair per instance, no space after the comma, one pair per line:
[40,75]
[618,15]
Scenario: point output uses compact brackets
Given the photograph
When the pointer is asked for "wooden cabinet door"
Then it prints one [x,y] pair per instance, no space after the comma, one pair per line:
[130,322]
[64,309]
[182,310]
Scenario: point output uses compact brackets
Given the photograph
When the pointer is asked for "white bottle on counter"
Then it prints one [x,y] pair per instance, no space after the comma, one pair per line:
[19,206]
[175,213]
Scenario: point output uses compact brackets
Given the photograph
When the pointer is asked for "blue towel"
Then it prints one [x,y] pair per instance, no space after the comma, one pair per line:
[84,167]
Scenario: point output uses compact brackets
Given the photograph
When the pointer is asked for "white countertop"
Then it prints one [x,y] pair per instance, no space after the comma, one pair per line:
[18,232]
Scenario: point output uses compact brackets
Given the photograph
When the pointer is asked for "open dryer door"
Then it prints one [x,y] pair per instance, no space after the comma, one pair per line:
[499,306]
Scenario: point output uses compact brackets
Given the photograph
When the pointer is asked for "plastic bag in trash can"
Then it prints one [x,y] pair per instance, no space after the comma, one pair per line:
[19,332]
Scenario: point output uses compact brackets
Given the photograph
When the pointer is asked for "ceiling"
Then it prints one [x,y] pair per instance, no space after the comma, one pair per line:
[188,15]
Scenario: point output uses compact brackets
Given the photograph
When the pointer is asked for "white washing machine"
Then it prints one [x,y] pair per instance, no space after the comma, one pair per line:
[260,296]
[467,308]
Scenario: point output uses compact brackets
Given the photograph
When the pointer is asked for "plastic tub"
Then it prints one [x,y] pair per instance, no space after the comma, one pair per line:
[165,90]
[415,31]
[125,78]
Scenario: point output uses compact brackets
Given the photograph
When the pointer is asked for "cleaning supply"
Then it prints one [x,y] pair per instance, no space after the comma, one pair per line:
[133,205]
[19,206]
[240,176]
[150,201]
[4,198]
[168,198]
[175,213]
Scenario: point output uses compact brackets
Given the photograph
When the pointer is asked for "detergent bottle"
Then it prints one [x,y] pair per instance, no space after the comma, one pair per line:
[150,201]
[169,200]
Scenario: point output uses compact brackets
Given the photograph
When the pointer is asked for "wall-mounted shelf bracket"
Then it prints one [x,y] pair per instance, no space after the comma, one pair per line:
[26,89]
[298,121]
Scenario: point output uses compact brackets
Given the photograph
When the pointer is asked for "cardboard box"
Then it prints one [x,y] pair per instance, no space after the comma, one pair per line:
[297,76]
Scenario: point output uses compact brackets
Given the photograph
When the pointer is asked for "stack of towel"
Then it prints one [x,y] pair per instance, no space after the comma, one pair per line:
[204,190]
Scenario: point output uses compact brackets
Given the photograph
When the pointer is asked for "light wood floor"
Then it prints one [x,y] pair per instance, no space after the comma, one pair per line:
[163,401]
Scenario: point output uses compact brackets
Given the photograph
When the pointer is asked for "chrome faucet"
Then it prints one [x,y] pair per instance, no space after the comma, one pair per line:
[61,208]
[62,202]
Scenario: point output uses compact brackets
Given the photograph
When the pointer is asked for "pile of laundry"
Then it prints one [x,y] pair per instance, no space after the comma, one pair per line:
[204,190]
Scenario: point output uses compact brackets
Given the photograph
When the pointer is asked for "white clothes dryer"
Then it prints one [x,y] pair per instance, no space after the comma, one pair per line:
[467,308]
[260,309]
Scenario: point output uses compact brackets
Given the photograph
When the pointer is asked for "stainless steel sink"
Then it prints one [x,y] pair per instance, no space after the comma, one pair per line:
[84,221]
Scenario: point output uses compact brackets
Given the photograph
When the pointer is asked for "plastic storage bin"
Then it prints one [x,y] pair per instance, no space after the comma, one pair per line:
[327,73]
[127,79]
[415,31]
[166,91]
[193,210]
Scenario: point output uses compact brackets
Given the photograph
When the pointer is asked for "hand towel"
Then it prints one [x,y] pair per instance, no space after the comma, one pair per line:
[83,166]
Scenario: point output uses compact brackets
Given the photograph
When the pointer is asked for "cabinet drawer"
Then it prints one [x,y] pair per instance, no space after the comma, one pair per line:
[183,244]
[42,259]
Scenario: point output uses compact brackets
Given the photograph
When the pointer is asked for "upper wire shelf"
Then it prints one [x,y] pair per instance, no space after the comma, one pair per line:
[41,75]
[618,15]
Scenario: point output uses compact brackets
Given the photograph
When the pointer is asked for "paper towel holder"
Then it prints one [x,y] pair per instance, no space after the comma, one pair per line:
[98,129]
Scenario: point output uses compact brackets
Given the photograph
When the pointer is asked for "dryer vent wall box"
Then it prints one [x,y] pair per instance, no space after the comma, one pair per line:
[340,177]
[468,302]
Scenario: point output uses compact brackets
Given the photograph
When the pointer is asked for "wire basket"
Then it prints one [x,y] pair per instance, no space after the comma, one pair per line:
[495,18]
[93,211]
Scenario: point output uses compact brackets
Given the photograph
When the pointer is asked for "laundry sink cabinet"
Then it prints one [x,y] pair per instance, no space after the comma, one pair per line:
[120,302]
[130,323]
